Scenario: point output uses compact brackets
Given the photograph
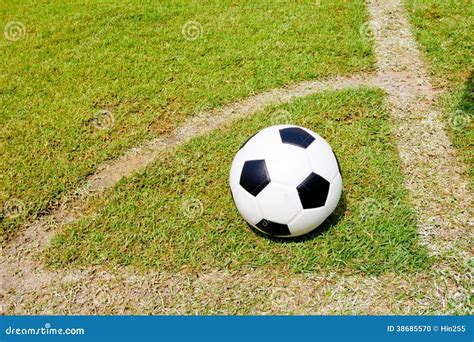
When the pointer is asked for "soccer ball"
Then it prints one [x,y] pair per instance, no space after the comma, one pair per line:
[285,180]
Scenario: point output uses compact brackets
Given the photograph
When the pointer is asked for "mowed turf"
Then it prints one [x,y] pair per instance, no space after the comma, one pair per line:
[178,214]
[133,59]
[445,30]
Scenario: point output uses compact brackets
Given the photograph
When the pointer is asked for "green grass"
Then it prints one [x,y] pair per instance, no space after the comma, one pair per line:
[153,220]
[132,59]
[444,29]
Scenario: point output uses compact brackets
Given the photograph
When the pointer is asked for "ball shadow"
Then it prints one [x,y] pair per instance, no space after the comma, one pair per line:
[331,221]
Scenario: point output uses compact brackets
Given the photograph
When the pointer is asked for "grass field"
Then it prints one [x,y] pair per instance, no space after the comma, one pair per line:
[155,229]
[444,30]
[149,66]
[179,213]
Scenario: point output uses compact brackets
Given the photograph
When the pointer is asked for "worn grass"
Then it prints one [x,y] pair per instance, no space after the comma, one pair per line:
[132,59]
[444,30]
[154,220]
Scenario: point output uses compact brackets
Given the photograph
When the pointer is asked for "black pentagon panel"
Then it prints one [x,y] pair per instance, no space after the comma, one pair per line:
[313,191]
[254,177]
[296,136]
[273,228]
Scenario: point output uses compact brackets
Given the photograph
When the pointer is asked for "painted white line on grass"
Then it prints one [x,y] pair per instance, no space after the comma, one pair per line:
[18,265]
[434,174]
